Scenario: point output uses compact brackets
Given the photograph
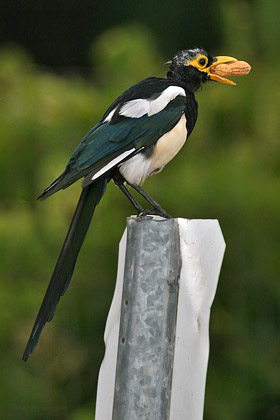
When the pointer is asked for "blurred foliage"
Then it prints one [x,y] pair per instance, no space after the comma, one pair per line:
[229,170]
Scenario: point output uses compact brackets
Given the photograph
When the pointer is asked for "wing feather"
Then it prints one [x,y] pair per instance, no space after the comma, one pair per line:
[106,141]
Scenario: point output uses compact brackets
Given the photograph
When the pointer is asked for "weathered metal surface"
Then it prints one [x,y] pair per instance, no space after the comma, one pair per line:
[148,320]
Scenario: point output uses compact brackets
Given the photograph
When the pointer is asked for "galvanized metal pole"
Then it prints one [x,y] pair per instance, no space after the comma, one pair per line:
[157,331]
[148,320]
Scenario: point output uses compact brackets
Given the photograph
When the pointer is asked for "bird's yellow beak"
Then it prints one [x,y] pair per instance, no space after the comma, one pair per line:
[222,59]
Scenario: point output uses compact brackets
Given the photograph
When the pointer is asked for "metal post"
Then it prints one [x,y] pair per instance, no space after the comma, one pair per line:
[157,331]
[148,319]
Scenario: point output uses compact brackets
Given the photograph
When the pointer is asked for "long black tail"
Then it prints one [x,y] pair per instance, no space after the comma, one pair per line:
[64,268]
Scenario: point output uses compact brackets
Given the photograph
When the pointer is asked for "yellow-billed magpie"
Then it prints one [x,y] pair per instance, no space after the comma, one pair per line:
[143,129]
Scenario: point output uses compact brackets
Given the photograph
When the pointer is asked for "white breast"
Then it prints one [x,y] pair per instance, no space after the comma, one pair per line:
[169,145]
[138,168]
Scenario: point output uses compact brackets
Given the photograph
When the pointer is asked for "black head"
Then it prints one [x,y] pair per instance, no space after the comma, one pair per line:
[191,68]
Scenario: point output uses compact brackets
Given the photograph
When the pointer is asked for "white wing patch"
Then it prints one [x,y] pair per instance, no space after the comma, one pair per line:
[112,163]
[135,108]
[139,107]
[110,116]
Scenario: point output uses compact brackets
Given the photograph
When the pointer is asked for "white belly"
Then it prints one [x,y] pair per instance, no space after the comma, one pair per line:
[138,168]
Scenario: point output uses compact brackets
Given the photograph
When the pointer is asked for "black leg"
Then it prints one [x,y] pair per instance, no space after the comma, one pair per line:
[122,187]
[157,209]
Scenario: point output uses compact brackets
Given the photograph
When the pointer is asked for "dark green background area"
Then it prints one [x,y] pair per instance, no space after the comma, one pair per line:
[59,33]
[61,65]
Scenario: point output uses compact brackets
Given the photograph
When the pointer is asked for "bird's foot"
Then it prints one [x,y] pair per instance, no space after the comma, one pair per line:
[158,212]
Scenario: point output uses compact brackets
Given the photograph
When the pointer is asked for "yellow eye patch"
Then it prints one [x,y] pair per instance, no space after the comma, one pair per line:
[200,62]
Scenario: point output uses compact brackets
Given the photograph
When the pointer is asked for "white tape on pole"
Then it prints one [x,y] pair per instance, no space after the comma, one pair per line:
[107,373]
[202,250]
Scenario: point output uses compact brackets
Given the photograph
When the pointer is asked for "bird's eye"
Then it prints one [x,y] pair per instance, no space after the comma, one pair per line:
[202,61]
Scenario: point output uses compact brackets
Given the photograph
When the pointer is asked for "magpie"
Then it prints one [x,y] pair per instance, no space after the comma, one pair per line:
[143,129]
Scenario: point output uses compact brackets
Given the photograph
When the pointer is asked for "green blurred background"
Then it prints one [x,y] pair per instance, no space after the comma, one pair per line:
[61,65]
